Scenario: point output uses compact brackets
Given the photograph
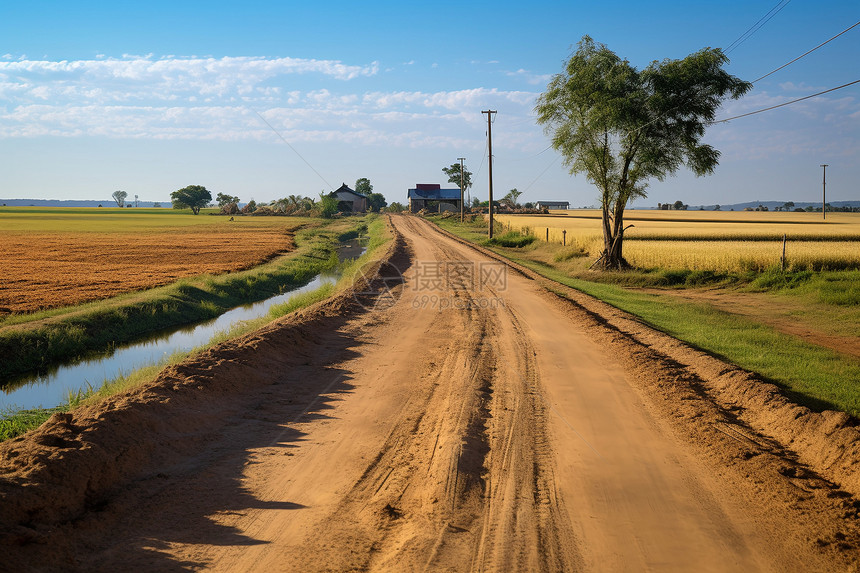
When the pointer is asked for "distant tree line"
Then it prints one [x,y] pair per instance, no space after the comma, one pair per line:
[196,197]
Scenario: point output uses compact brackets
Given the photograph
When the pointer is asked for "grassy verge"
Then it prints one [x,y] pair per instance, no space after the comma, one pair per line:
[812,375]
[95,327]
[15,423]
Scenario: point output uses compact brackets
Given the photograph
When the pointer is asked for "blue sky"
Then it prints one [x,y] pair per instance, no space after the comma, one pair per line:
[151,97]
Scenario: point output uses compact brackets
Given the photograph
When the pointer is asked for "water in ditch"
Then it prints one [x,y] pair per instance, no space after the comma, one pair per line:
[53,388]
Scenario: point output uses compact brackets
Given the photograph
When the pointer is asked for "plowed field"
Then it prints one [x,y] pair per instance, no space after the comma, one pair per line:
[52,269]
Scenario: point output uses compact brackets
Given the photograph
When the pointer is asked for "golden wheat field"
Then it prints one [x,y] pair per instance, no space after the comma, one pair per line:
[709,240]
[60,257]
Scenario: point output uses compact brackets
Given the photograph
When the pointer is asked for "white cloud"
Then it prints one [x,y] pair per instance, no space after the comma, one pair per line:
[208,98]
[143,77]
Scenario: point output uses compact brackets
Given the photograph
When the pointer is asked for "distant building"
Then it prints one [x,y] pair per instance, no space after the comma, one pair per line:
[553,205]
[432,197]
[349,201]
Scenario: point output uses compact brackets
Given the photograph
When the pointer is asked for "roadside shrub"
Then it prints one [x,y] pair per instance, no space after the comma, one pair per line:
[704,277]
[672,277]
[774,277]
[512,239]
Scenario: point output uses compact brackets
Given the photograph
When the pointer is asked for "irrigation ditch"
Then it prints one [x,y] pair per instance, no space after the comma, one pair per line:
[74,356]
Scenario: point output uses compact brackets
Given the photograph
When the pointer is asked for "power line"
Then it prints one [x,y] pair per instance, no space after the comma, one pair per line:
[294,149]
[486,143]
[773,72]
[557,157]
[786,103]
[806,53]
[538,154]
[757,26]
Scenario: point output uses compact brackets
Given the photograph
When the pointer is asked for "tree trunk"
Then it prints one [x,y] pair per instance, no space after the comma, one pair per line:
[612,257]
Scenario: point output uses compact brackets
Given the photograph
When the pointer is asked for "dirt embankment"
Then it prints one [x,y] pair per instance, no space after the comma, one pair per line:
[425,423]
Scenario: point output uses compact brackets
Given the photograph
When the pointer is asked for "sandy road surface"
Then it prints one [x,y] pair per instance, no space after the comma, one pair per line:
[478,423]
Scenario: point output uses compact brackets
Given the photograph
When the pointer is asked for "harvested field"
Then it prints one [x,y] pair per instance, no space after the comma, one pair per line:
[70,266]
[709,240]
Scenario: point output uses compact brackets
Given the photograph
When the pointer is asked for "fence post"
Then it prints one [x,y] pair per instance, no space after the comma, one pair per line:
[547,234]
[564,237]
[782,262]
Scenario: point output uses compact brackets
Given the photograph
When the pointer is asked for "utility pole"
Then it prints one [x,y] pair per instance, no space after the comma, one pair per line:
[462,212]
[824,191]
[490,113]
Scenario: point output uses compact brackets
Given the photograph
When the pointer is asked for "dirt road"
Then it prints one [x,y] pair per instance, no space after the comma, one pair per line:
[466,420]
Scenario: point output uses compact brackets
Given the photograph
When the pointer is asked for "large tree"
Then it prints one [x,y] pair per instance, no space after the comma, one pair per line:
[119,197]
[453,174]
[363,186]
[193,197]
[622,126]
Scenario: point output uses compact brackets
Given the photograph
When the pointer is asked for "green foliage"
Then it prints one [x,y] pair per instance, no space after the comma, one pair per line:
[15,422]
[622,126]
[396,208]
[363,186]
[222,199]
[512,197]
[512,239]
[376,202]
[835,288]
[301,301]
[327,206]
[453,173]
[193,197]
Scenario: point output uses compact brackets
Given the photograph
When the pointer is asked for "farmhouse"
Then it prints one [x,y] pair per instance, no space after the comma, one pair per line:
[348,201]
[553,204]
[431,196]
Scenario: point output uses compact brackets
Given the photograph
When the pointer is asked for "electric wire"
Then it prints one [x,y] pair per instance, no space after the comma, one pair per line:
[770,73]
[486,143]
[786,103]
[294,149]
[557,157]
[806,53]
[758,25]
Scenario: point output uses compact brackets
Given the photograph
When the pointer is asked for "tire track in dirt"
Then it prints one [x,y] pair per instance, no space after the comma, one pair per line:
[786,464]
